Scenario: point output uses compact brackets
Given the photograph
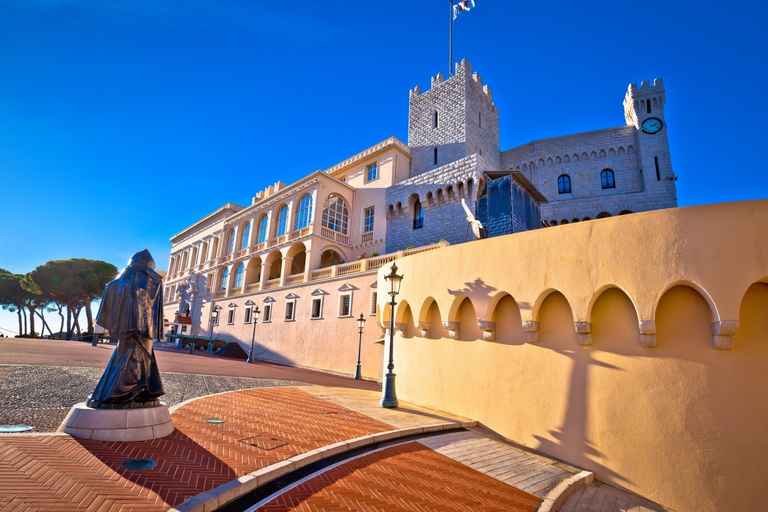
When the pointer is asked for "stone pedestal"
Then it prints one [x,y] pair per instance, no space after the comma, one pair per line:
[142,424]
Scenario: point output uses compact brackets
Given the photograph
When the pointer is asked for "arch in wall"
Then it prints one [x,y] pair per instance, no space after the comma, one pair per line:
[204,253]
[298,252]
[614,321]
[404,319]
[554,314]
[698,288]
[412,200]
[553,222]
[332,255]
[592,155]
[424,309]
[611,152]
[504,312]
[215,249]
[229,246]
[683,318]
[540,300]
[585,218]
[602,153]
[603,289]
[603,215]
[281,221]
[185,260]
[274,261]
[625,212]
[194,256]
[558,160]
[453,311]
[567,159]
[262,231]
[564,221]
[621,150]
[466,317]
[245,234]
[254,266]
[753,320]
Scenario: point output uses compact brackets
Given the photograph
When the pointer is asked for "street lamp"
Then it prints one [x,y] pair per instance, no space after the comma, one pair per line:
[360,325]
[389,397]
[214,317]
[254,317]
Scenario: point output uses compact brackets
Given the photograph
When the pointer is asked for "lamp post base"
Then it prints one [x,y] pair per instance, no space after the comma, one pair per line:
[389,396]
[192,346]
[209,350]
[250,355]
[358,373]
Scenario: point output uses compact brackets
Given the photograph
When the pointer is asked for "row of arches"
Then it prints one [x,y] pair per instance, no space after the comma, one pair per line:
[500,320]
[272,224]
[601,215]
[442,194]
[575,157]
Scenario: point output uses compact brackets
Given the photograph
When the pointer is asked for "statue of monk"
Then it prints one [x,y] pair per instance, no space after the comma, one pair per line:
[132,311]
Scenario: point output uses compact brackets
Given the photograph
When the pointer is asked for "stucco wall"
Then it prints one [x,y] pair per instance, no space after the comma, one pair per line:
[595,343]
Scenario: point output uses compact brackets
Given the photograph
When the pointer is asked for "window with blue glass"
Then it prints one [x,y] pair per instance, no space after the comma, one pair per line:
[564,184]
[607,179]
[372,172]
[304,212]
[262,229]
[246,234]
[230,242]
[368,220]
[336,215]
[418,215]
[224,277]
[239,276]
[282,218]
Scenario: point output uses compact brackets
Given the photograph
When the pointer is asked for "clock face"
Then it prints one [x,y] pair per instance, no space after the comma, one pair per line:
[652,125]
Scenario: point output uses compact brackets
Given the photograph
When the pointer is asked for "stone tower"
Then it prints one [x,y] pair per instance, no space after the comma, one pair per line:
[644,110]
[454,119]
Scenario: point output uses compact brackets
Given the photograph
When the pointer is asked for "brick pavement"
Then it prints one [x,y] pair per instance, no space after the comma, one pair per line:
[405,477]
[56,472]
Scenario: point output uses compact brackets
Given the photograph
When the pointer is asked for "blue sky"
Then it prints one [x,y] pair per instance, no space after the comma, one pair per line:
[121,123]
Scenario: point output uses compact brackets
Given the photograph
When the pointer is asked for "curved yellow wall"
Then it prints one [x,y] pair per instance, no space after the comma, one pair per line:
[609,344]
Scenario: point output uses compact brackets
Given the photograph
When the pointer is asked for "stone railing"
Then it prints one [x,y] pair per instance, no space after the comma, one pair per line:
[321,273]
[334,235]
[272,283]
[294,279]
[252,287]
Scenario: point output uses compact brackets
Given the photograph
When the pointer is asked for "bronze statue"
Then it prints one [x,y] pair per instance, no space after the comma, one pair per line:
[132,311]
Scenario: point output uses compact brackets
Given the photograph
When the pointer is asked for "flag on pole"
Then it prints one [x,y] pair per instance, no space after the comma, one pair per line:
[462,6]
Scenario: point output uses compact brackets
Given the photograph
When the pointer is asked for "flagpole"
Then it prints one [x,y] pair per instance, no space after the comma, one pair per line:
[450,38]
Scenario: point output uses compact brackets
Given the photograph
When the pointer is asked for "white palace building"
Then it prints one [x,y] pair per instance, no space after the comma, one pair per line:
[307,253]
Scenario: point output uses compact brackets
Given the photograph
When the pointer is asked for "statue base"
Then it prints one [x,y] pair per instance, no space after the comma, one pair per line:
[142,424]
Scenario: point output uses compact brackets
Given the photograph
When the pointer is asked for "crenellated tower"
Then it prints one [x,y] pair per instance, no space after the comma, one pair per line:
[454,119]
[644,110]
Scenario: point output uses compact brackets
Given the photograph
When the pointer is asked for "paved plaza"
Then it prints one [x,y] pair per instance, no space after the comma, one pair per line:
[265,427]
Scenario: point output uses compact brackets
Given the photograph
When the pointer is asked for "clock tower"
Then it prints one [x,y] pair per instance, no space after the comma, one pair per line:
[644,110]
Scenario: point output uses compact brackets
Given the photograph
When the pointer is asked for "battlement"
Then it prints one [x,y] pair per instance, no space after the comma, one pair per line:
[272,189]
[463,70]
[645,86]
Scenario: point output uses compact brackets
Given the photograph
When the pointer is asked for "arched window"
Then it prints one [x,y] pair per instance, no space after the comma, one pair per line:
[282,218]
[418,215]
[224,277]
[564,184]
[304,212]
[262,229]
[246,234]
[336,215]
[239,276]
[230,242]
[606,178]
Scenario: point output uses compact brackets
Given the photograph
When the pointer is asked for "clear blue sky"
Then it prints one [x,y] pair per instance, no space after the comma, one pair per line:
[122,122]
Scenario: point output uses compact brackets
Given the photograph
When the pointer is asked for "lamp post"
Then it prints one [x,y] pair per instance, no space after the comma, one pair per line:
[360,325]
[254,317]
[389,396]
[214,317]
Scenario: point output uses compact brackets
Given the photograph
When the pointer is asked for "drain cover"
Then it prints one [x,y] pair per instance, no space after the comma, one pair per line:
[215,421]
[264,442]
[139,464]
[7,429]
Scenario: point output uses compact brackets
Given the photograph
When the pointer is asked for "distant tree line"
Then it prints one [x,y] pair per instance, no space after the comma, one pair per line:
[63,286]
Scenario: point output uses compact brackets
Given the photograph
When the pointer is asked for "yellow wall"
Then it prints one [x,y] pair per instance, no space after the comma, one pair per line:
[680,422]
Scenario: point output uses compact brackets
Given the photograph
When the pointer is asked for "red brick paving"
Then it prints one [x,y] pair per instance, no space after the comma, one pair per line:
[407,477]
[62,473]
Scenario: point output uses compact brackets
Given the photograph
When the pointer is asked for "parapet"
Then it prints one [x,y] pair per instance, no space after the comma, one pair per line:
[658,83]
[463,69]
[272,189]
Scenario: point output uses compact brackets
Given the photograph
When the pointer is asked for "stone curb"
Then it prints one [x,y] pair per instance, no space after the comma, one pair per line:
[555,498]
[220,496]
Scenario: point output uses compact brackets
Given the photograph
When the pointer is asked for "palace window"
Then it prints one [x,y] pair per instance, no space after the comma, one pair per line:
[239,276]
[290,310]
[263,229]
[304,212]
[282,218]
[317,308]
[418,215]
[266,315]
[564,184]
[230,242]
[336,215]
[231,316]
[434,119]
[606,179]
[374,298]
[224,278]
[368,220]
[247,315]
[435,156]
[371,172]
[246,234]
[345,304]
[658,171]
